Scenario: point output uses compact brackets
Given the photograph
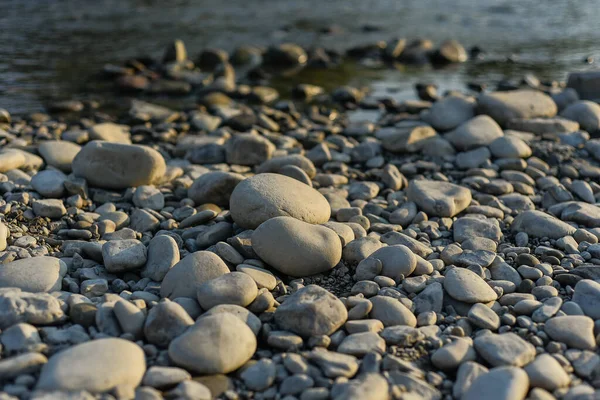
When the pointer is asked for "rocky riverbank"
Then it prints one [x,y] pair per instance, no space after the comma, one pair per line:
[334,246]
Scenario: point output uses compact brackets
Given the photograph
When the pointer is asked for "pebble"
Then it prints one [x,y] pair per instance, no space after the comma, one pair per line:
[547,373]
[391,312]
[538,224]
[59,153]
[311,311]
[464,285]
[162,255]
[123,255]
[476,132]
[215,344]
[214,188]
[506,106]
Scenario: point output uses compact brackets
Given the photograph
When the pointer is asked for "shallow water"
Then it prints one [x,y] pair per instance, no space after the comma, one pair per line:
[50,49]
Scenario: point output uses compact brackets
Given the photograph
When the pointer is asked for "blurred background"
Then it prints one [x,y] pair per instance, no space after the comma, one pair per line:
[51,50]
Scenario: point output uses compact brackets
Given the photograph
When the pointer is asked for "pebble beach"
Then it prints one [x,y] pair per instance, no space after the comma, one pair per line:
[275,240]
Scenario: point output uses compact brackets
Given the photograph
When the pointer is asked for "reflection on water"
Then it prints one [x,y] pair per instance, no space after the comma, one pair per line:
[49,49]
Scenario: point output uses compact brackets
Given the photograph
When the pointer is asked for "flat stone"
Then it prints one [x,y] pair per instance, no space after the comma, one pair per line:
[464,285]
[575,331]
[439,199]
[476,132]
[514,104]
[503,383]
[259,376]
[216,344]
[296,248]
[370,386]
[96,366]
[311,311]
[51,208]
[118,166]
[248,149]
[183,279]
[483,317]
[466,374]
[334,364]
[581,213]
[26,363]
[410,139]
[541,126]
[34,274]
[266,196]
[360,344]
[504,349]
[164,377]
[538,224]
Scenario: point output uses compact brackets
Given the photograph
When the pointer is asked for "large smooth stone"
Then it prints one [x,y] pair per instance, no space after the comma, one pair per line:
[311,311]
[504,349]
[397,261]
[503,383]
[265,196]
[96,366]
[59,154]
[118,166]
[214,187]
[439,199]
[184,278]
[476,132]
[539,224]
[216,344]
[587,295]
[576,331]
[505,106]
[233,288]
[35,274]
[297,248]
[586,113]
[450,112]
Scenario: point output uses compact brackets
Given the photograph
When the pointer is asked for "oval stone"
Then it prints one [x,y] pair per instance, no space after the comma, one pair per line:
[35,274]
[297,248]
[96,366]
[266,196]
[118,166]
[216,344]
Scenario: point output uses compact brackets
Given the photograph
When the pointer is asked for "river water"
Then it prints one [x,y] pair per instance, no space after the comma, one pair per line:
[50,49]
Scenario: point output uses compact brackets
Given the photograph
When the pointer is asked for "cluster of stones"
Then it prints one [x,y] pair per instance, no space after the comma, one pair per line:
[373,250]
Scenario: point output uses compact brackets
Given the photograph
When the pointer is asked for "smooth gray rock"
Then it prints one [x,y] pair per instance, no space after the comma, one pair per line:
[547,373]
[184,278]
[233,288]
[503,383]
[311,311]
[397,261]
[166,321]
[514,104]
[450,112]
[539,224]
[215,344]
[296,248]
[163,254]
[59,153]
[118,166]
[476,132]
[587,296]
[96,366]
[466,286]
[391,311]
[34,274]
[49,183]
[265,196]
[575,331]
[504,349]
[586,113]
[510,147]
[439,199]
[123,255]
[214,187]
